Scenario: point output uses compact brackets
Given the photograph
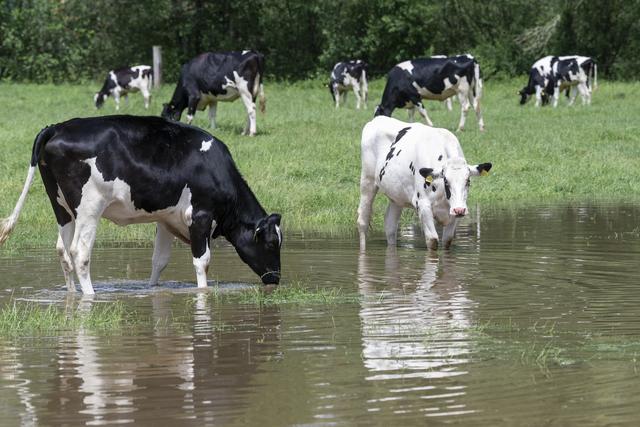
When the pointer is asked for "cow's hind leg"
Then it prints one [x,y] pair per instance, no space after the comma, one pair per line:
[63,246]
[463,97]
[84,236]
[247,100]
[356,93]
[161,252]
[200,235]
[391,219]
[585,93]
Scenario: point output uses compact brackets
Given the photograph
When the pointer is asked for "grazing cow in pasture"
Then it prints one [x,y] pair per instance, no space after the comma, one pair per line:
[553,74]
[132,169]
[349,75]
[123,81]
[409,82]
[575,74]
[219,76]
[463,58]
[418,167]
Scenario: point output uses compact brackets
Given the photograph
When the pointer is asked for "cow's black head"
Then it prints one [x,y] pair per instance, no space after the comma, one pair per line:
[260,249]
[524,96]
[171,112]
[99,99]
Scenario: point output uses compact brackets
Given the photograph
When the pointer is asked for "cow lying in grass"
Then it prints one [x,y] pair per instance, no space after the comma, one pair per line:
[418,167]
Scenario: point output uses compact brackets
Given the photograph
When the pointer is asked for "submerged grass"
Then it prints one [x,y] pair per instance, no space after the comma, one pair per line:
[305,161]
[294,293]
[30,318]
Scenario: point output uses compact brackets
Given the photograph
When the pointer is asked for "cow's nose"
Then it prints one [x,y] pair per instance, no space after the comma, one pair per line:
[271,278]
[459,211]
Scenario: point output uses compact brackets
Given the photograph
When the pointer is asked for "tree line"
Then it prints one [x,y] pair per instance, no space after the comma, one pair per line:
[77,40]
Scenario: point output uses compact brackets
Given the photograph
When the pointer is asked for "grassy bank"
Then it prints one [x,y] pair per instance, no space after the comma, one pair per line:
[305,162]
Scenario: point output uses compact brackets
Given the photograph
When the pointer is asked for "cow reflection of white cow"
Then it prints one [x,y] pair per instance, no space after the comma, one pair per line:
[418,328]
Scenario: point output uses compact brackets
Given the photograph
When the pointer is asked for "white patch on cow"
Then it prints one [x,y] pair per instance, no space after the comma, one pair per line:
[206,145]
[406,65]
[244,52]
[121,210]
[279,233]
[201,264]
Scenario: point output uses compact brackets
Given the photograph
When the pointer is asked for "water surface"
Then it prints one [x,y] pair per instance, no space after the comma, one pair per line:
[532,318]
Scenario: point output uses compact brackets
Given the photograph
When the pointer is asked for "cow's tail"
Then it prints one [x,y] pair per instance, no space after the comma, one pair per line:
[7,224]
[477,87]
[258,87]
[365,86]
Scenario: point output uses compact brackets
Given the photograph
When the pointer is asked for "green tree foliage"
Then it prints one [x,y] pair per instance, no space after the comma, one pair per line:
[71,40]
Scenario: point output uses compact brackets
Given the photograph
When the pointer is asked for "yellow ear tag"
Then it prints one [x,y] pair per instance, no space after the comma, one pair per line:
[428,179]
[484,173]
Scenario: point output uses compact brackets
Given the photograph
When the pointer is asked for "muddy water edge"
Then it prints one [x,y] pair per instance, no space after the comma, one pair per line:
[534,315]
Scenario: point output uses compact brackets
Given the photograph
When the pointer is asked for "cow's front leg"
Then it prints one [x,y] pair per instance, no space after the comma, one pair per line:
[449,232]
[556,96]
[200,235]
[538,96]
[423,113]
[428,226]
[116,98]
[247,100]
[336,96]
[368,191]
[213,108]
[391,219]
[161,253]
[191,108]
[147,97]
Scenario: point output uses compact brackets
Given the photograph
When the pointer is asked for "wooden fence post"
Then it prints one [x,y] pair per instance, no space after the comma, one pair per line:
[157,66]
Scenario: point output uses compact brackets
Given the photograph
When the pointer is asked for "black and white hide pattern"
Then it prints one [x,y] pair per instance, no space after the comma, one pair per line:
[417,167]
[215,77]
[551,75]
[123,81]
[349,75]
[132,169]
[409,82]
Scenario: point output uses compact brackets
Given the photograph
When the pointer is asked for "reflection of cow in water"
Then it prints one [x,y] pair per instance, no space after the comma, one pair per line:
[414,321]
[183,373]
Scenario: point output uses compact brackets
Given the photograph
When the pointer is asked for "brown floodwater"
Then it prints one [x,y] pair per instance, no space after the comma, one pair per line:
[532,318]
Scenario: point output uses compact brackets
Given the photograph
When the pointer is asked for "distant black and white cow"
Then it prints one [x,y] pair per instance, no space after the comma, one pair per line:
[132,169]
[553,74]
[349,75]
[418,167]
[409,82]
[576,74]
[123,81]
[219,76]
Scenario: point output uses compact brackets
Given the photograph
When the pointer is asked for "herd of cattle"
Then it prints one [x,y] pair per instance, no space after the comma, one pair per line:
[132,169]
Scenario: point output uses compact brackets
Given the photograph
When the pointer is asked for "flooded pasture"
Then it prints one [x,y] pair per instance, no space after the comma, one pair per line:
[533,315]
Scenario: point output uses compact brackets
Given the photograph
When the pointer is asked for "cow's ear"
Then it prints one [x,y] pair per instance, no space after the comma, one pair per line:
[482,169]
[428,175]
[274,219]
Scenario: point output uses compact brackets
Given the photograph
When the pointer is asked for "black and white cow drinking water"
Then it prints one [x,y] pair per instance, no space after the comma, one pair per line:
[418,167]
[409,82]
[219,76]
[132,169]
[123,81]
[553,74]
[349,75]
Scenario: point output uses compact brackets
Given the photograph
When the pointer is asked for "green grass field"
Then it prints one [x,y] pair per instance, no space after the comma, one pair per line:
[305,161]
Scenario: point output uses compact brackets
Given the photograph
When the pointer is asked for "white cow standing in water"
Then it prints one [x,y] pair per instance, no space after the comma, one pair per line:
[415,166]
